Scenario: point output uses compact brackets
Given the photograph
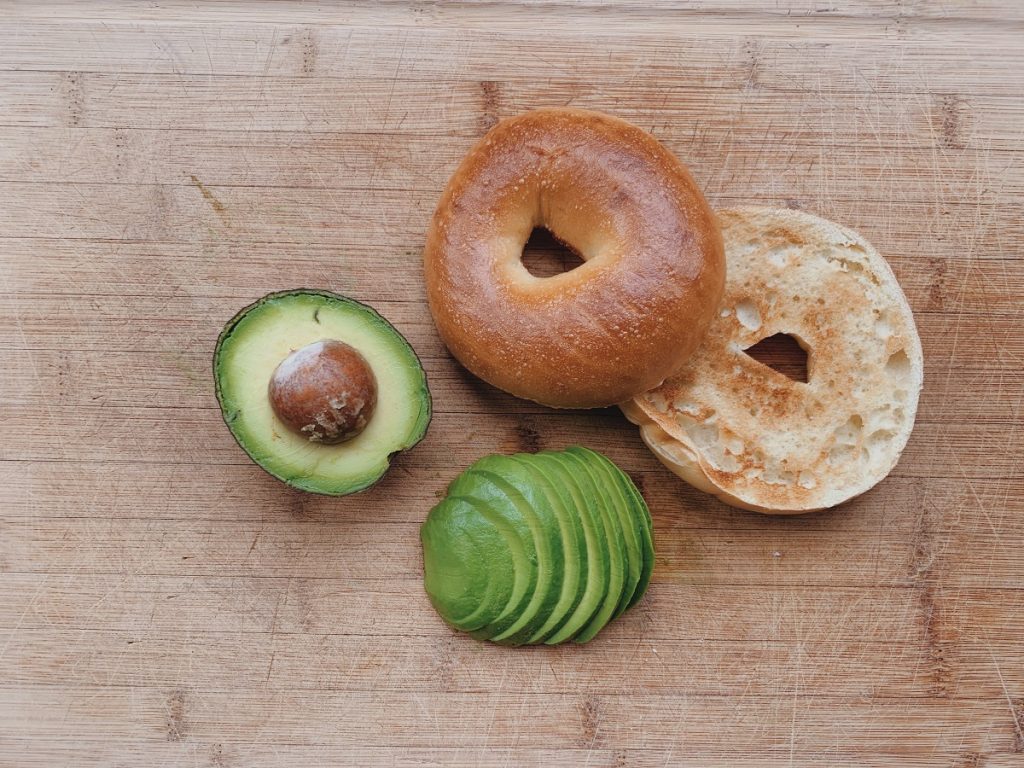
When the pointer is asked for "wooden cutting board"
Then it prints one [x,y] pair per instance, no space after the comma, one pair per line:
[164,602]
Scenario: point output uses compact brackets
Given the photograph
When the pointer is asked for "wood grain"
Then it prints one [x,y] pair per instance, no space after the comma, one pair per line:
[164,602]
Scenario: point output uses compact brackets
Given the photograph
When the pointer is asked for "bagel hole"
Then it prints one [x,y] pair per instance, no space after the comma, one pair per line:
[544,255]
[781,353]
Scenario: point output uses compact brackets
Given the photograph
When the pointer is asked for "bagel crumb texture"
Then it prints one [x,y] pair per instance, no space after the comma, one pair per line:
[755,437]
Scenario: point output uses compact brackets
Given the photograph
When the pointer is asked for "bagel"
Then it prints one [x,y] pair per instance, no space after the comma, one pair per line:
[736,428]
[653,266]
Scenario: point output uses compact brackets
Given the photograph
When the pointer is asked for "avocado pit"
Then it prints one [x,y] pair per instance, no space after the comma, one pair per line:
[324,391]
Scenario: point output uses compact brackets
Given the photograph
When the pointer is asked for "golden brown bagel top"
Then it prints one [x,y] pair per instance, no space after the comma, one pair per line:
[615,326]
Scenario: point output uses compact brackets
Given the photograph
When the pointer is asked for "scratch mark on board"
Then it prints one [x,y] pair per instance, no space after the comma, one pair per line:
[176,726]
[217,205]
[1015,707]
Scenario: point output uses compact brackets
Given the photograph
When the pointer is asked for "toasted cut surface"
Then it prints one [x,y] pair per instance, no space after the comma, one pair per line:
[754,437]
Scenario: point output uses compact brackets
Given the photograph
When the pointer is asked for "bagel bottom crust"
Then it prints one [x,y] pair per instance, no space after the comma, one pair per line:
[750,435]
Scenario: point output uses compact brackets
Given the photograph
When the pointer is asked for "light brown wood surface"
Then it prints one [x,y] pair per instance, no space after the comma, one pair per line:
[164,602]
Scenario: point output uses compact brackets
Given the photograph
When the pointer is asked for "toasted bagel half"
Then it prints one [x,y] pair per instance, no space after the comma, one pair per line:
[751,435]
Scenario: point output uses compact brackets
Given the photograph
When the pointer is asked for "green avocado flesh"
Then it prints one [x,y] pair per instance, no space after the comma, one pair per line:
[462,534]
[629,522]
[263,334]
[613,536]
[537,548]
[598,571]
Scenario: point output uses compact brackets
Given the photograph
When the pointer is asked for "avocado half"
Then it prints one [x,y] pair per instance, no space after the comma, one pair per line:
[263,334]
[537,548]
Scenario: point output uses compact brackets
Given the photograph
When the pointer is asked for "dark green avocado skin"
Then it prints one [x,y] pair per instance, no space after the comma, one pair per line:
[582,539]
[231,414]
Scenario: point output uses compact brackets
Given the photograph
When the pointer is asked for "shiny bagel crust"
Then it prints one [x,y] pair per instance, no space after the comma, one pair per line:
[617,325]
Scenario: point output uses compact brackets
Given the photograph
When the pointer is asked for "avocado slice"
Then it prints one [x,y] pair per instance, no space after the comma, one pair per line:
[615,537]
[495,476]
[468,562]
[597,573]
[261,336]
[510,601]
[576,565]
[643,512]
[565,588]
[494,497]
[618,500]
[642,523]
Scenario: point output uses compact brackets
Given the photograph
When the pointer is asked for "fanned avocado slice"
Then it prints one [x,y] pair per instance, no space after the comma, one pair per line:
[516,482]
[249,353]
[537,548]
[613,535]
[646,530]
[598,570]
[573,550]
[621,504]
[469,562]
[494,495]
